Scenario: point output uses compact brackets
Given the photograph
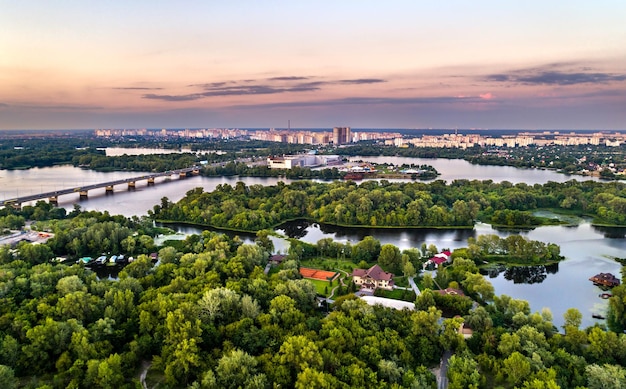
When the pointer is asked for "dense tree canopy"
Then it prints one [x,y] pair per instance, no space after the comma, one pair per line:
[208,316]
[386,204]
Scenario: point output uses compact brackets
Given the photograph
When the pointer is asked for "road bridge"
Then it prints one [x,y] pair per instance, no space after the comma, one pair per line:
[83,191]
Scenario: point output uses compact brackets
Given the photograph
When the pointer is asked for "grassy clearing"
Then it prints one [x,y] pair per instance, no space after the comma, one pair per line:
[322,286]
[331,264]
[397,294]
[401,281]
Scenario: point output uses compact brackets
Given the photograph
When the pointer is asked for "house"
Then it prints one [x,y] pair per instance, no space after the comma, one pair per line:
[450,292]
[465,330]
[277,259]
[605,279]
[373,278]
[438,259]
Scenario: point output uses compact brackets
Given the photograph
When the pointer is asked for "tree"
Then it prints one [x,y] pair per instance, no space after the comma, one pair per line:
[181,350]
[220,306]
[139,268]
[236,369]
[516,367]
[425,300]
[168,255]
[427,281]
[476,285]
[264,241]
[389,371]
[69,284]
[450,337]
[605,376]
[390,258]
[7,378]
[572,318]
[463,372]
[34,253]
[409,269]
[300,353]
[479,319]
[109,374]
[129,244]
[366,250]
[312,378]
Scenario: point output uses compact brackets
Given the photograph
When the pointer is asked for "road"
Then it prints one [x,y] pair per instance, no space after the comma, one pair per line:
[414,286]
[442,380]
[57,193]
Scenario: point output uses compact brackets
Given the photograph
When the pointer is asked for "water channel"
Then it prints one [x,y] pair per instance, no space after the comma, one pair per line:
[588,250]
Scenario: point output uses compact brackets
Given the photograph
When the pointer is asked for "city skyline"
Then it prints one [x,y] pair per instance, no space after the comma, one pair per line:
[359,64]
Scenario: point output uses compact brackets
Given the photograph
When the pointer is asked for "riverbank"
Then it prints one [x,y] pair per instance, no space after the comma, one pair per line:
[282,223]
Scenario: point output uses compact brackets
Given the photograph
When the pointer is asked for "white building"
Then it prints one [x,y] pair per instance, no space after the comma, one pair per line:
[308,160]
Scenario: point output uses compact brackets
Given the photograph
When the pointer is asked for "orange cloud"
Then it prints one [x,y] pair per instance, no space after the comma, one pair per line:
[486,96]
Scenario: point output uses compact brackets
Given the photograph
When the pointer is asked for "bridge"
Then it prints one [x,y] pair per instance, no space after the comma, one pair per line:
[84,190]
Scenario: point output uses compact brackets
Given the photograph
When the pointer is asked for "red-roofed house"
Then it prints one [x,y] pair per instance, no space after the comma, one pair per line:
[438,259]
[372,278]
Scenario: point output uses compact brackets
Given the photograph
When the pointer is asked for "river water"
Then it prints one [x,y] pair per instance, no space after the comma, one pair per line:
[588,250]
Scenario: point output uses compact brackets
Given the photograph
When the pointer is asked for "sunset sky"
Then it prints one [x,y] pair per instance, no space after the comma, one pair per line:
[365,64]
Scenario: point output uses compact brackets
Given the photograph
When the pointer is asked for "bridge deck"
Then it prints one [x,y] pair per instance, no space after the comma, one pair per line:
[57,193]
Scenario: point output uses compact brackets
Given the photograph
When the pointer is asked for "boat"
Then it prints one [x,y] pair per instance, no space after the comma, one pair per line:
[598,316]
[605,280]
[605,295]
[85,260]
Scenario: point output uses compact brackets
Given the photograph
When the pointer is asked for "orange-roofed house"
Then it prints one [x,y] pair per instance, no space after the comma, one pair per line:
[373,278]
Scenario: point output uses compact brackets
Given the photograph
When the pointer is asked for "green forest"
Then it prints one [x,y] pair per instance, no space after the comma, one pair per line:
[387,204]
[207,316]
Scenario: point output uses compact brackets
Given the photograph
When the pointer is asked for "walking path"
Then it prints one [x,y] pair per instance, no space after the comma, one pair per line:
[145,366]
[414,286]
[332,292]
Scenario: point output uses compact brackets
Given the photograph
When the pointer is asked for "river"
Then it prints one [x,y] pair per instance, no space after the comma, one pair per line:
[587,249]
[458,169]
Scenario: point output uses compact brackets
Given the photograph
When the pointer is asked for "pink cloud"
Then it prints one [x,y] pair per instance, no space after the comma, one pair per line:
[486,96]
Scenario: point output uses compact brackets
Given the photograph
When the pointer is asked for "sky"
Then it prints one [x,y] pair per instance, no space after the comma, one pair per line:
[359,63]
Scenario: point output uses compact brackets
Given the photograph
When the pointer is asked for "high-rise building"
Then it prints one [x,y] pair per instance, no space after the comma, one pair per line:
[341,135]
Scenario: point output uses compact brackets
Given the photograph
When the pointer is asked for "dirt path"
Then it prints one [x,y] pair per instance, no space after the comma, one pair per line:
[145,366]
[332,292]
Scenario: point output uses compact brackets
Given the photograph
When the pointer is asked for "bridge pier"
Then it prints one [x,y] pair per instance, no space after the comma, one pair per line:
[131,185]
[150,180]
[195,172]
[16,206]
[53,200]
[182,175]
[109,189]
[83,194]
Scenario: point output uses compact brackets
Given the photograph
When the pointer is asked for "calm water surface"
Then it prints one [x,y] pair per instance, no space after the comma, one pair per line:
[458,169]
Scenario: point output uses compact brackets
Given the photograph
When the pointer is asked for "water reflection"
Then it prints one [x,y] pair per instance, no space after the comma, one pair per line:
[295,229]
[107,272]
[403,238]
[612,232]
[522,274]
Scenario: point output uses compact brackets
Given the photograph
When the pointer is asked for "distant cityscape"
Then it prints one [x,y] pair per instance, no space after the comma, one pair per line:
[338,136]
[344,135]
[522,139]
